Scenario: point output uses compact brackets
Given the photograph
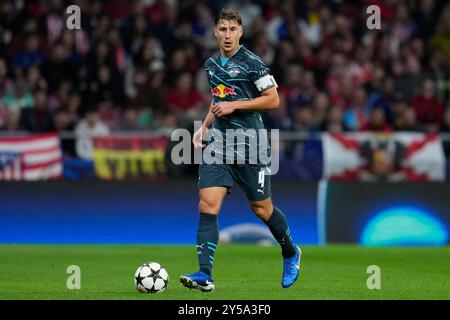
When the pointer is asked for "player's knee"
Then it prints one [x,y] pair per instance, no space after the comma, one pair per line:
[261,211]
[206,206]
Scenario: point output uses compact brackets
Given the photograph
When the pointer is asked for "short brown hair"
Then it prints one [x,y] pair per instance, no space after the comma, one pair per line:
[229,14]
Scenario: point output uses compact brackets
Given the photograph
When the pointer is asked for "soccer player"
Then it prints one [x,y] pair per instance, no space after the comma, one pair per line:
[242,87]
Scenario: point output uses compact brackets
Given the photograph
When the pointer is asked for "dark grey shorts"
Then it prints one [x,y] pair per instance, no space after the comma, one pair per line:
[252,178]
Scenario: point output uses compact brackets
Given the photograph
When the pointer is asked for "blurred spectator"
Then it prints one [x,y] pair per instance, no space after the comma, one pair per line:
[335,121]
[277,28]
[440,71]
[310,22]
[101,55]
[441,38]
[138,34]
[144,79]
[54,20]
[184,97]
[64,123]
[428,108]
[292,88]
[58,67]
[360,70]
[6,83]
[7,20]
[335,75]
[21,97]
[285,57]
[130,121]
[339,37]
[109,114]
[278,119]
[166,122]
[377,121]
[303,120]
[75,44]
[11,120]
[407,121]
[425,16]
[35,80]
[90,126]
[73,106]
[2,115]
[403,28]
[385,98]
[248,10]
[30,54]
[399,107]
[59,97]
[308,88]
[203,25]
[410,77]
[356,117]
[117,48]
[321,105]
[176,67]
[263,49]
[445,128]
[38,118]
[105,87]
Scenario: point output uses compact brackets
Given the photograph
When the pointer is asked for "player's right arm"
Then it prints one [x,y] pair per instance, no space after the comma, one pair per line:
[197,139]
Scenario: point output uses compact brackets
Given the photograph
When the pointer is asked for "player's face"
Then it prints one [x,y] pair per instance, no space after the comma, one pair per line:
[228,33]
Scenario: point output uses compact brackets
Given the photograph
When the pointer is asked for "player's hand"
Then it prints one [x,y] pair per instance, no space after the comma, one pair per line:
[197,139]
[223,108]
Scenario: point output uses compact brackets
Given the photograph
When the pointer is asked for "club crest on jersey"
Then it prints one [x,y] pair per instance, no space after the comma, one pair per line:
[233,72]
[222,91]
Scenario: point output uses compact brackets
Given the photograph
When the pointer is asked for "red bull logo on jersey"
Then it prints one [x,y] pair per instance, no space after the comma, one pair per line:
[222,91]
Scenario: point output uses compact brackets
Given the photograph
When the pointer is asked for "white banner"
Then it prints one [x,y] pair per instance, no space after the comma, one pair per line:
[383,157]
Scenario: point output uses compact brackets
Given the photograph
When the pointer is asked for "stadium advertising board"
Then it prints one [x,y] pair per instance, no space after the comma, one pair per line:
[134,212]
[383,214]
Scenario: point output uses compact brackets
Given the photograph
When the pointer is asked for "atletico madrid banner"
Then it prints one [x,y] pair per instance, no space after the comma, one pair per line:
[35,157]
[125,158]
[383,157]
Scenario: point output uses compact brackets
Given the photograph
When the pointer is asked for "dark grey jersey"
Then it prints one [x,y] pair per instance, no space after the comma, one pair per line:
[243,76]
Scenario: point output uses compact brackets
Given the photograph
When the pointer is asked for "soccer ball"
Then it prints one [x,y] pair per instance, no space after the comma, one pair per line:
[151,278]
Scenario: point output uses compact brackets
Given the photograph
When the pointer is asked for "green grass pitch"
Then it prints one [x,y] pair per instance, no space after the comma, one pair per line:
[246,272]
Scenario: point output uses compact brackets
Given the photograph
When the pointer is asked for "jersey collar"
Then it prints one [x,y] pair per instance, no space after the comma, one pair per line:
[223,60]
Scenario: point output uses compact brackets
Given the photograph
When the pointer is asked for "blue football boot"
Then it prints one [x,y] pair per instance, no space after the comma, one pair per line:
[197,280]
[291,269]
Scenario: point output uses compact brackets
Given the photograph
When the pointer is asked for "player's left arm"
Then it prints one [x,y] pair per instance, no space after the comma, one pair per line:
[268,100]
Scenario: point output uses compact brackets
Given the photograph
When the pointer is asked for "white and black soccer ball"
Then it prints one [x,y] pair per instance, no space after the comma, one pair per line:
[151,278]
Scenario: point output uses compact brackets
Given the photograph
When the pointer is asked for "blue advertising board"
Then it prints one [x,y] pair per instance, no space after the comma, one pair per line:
[134,212]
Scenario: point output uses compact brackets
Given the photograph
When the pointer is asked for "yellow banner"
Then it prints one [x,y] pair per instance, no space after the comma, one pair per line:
[122,165]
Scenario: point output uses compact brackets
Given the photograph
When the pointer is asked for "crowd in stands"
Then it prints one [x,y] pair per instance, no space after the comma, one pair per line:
[138,65]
